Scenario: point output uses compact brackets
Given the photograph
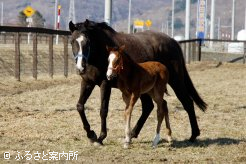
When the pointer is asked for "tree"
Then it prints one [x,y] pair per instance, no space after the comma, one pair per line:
[37,19]
[22,19]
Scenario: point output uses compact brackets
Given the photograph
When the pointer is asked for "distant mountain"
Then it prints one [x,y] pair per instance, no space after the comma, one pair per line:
[156,10]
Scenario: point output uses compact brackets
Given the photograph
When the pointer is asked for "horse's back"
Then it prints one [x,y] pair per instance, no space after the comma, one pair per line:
[150,45]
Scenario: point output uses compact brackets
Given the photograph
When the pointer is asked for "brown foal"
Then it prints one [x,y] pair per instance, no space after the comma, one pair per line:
[134,79]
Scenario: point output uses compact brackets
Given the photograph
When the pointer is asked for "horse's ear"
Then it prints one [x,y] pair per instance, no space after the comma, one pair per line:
[89,24]
[72,27]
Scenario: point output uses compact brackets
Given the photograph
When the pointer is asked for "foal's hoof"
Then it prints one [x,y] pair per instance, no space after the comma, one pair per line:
[126,145]
[156,140]
[169,139]
[97,144]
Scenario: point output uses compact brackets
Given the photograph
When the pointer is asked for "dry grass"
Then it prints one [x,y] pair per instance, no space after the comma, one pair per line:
[41,116]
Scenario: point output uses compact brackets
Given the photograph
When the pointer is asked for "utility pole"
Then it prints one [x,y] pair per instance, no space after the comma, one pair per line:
[212,21]
[173,7]
[108,11]
[71,16]
[187,20]
[245,18]
[2,15]
[55,8]
[219,28]
[187,30]
[129,16]
[233,20]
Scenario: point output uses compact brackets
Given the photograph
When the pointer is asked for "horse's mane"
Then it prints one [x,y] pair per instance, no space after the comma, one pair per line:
[105,26]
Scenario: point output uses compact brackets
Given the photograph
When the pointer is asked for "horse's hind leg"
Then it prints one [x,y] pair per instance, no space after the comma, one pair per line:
[168,127]
[187,102]
[147,107]
[85,92]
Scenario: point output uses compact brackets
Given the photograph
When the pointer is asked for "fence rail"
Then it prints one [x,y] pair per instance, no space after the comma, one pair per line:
[18,32]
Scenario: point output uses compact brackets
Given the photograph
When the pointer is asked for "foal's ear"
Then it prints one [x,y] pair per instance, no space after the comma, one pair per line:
[108,48]
[122,48]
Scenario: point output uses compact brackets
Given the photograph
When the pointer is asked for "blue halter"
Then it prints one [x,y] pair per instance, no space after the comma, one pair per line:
[84,56]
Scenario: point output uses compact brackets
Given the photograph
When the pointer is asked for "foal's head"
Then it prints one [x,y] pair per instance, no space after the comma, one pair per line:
[115,61]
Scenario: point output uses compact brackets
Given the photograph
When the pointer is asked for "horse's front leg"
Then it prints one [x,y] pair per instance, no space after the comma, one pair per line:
[147,107]
[105,88]
[85,92]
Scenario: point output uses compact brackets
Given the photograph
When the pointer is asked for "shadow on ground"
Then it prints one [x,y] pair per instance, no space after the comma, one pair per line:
[207,142]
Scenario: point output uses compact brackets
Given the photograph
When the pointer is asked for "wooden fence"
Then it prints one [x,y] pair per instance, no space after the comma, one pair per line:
[35,31]
[194,50]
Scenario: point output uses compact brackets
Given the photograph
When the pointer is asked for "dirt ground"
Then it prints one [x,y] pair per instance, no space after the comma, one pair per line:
[39,121]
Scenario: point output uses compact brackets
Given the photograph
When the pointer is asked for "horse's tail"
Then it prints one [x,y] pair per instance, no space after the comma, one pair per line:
[181,81]
[192,90]
[189,85]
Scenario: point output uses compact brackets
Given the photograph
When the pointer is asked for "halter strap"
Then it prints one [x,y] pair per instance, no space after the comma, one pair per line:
[119,67]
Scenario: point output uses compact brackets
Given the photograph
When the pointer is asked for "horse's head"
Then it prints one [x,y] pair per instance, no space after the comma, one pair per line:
[89,40]
[115,61]
[80,45]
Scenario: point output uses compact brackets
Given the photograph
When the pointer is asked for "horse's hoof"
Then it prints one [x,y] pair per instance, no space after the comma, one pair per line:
[193,137]
[134,135]
[92,136]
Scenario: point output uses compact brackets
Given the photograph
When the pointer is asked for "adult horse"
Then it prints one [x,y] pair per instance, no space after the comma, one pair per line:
[89,40]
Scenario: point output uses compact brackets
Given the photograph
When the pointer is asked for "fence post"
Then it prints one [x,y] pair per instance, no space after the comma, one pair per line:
[184,52]
[51,64]
[244,54]
[193,51]
[199,49]
[17,56]
[35,56]
[65,42]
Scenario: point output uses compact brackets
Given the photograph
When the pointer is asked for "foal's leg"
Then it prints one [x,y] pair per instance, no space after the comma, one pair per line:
[160,116]
[128,113]
[168,127]
[85,92]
